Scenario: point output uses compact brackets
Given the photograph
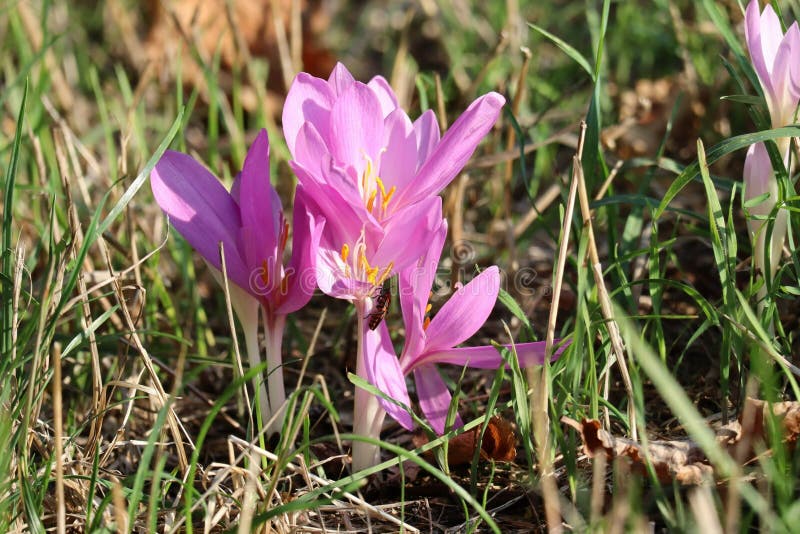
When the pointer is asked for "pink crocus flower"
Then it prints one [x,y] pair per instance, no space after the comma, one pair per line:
[355,148]
[374,174]
[249,222]
[776,59]
[429,342]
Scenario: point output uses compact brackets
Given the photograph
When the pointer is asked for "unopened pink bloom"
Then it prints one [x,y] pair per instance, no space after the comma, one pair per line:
[759,179]
[249,222]
[432,342]
[776,59]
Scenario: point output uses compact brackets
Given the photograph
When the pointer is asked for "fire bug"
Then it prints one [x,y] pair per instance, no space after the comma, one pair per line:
[382,302]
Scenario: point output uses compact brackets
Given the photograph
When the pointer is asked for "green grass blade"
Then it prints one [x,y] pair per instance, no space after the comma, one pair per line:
[7,255]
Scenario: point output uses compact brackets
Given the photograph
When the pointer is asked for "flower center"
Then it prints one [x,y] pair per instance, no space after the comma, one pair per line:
[357,266]
[272,267]
[427,321]
[376,197]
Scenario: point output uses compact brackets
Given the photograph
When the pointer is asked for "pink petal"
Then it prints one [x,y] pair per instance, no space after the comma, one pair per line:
[426,129]
[763,38]
[758,178]
[415,284]
[301,273]
[344,220]
[201,210]
[407,234]
[455,148]
[357,127]
[485,356]
[383,371]
[385,94]
[793,34]
[434,398]
[398,161]
[340,79]
[465,312]
[260,206]
[311,151]
[309,99]
[784,103]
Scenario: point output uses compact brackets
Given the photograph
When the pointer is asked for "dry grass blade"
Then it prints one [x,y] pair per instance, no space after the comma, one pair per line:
[58,427]
[161,396]
[538,376]
[19,267]
[236,353]
[360,503]
[705,514]
[602,293]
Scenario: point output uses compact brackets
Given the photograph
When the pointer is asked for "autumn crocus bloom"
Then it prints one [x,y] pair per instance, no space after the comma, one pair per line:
[353,145]
[429,342]
[776,59]
[374,174]
[249,223]
[759,180]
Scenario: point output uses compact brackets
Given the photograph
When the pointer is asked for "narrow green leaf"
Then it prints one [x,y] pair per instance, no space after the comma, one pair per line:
[7,255]
[142,176]
[567,49]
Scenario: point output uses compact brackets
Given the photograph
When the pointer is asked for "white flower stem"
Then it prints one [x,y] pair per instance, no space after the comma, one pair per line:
[273,326]
[250,328]
[368,414]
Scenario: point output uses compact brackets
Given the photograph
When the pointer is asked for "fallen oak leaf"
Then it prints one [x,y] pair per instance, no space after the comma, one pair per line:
[499,443]
[680,460]
[683,460]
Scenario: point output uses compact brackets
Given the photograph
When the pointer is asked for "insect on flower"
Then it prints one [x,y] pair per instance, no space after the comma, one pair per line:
[382,302]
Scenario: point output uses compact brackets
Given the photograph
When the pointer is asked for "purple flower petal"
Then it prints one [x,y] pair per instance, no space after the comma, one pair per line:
[340,79]
[427,132]
[415,283]
[398,162]
[383,371]
[309,100]
[484,356]
[344,221]
[357,123]
[408,233]
[385,94]
[465,312]
[260,208]
[455,148]
[758,178]
[301,276]
[201,210]
[434,398]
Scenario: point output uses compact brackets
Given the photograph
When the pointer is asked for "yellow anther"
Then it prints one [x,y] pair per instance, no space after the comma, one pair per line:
[284,285]
[385,274]
[380,185]
[426,323]
[362,261]
[284,235]
[372,273]
[345,252]
[388,197]
[265,272]
[371,200]
[428,308]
